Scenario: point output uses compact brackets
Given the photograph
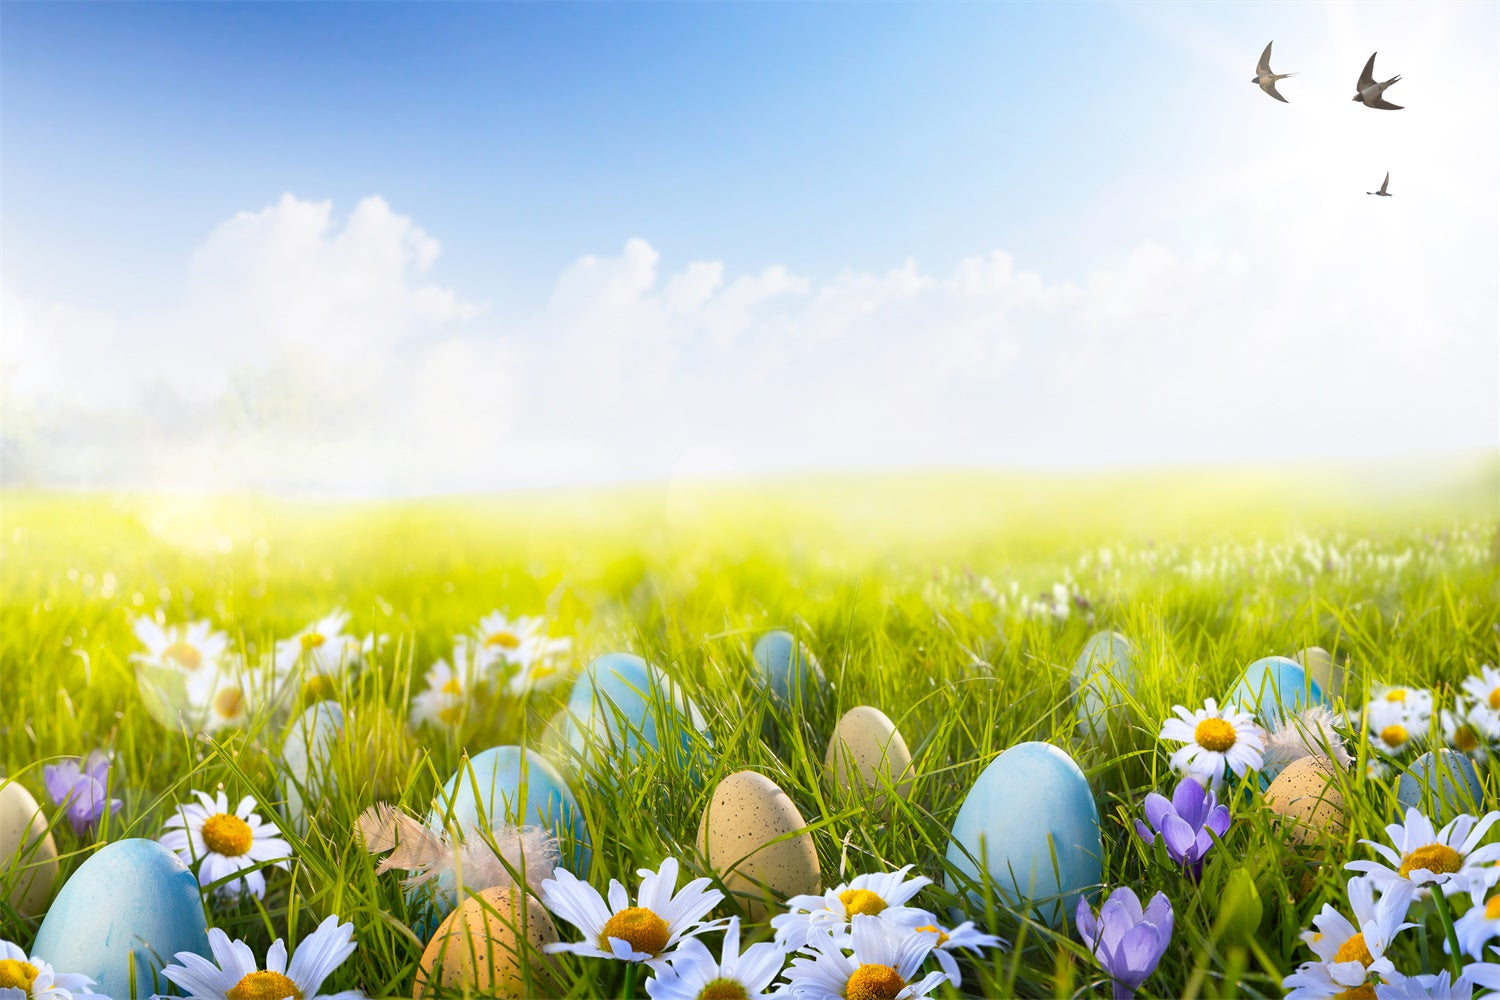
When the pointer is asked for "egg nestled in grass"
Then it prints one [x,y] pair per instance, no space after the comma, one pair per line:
[1102,677]
[1319,665]
[621,703]
[28,854]
[867,752]
[1030,828]
[1442,784]
[787,668]
[492,944]
[1306,798]
[753,835]
[1274,688]
[121,918]
[306,754]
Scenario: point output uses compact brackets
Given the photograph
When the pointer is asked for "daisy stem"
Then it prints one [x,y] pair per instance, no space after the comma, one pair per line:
[1440,900]
[632,969]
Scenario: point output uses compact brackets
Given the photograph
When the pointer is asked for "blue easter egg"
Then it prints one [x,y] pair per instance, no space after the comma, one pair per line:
[1030,805]
[1102,676]
[1441,784]
[621,702]
[1273,688]
[309,742]
[787,666]
[539,797]
[133,901]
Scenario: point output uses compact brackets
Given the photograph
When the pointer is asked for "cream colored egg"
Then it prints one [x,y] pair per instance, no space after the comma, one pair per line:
[747,813]
[28,854]
[479,947]
[867,744]
[1321,668]
[1306,797]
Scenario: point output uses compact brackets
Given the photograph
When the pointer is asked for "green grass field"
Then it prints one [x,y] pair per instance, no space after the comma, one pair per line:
[914,593]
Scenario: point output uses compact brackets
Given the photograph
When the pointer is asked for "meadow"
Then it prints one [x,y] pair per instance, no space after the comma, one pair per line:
[957,604]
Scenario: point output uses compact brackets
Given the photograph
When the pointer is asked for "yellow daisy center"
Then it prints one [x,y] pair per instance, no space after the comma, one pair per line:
[1364,991]
[312,640]
[1495,700]
[638,927]
[861,901]
[942,935]
[1214,734]
[1398,695]
[874,982]
[1465,738]
[451,715]
[1355,950]
[1492,908]
[264,986]
[227,835]
[228,702]
[1440,859]
[18,975]
[723,989]
[452,687]
[1394,735]
[184,655]
[504,640]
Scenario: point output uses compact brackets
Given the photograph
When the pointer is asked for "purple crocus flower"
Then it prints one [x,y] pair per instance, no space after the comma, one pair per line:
[81,786]
[1185,823]
[1127,942]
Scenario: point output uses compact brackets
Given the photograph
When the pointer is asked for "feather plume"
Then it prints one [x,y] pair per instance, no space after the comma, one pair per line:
[480,859]
[1308,733]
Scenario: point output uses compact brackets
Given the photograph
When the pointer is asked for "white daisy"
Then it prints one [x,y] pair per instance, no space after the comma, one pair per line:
[966,936]
[446,699]
[1216,738]
[884,959]
[1393,727]
[1416,702]
[1465,730]
[1484,688]
[1442,986]
[319,656]
[692,972]
[235,973]
[1478,926]
[226,842]
[23,978]
[1423,856]
[646,932]
[193,649]
[229,702]
[1350,956]
[883,895]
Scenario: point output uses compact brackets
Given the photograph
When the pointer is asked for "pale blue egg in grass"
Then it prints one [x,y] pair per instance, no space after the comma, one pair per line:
[1102,678]
[1030,828]
[1274,688]
[309,743]
[621,703]
[506,786]
[128,909]
[1442,784]
[787,667]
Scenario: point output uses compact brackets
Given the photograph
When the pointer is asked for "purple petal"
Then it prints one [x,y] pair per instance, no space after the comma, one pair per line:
[1144,832]
[1139,952]
[1088,926]
[1179,838]
[1218,821]
[59,778]
[1190,801]
[1159,914]
[1157,809]
[97,766]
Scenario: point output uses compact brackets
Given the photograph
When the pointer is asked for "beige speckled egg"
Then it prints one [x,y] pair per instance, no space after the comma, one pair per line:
[747,812]
[1320,667]
[1307,798]
[28,854]
[866,742]
[478,947]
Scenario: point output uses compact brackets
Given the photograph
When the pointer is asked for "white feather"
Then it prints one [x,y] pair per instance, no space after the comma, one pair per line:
[479,859]
[1309,733]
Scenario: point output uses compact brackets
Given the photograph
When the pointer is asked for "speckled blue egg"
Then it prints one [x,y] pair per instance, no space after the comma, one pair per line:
[1030,803]
[1273,688]
[787,667]
[1442,784]
[132,898]
[1102,676]
[309,741]
[621,702]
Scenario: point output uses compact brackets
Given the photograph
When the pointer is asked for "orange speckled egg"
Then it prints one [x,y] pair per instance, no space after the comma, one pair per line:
[747,813]
[480,947]
[866,743]
[1307,799]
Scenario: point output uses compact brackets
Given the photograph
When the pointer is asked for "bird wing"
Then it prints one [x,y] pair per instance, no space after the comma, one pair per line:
[1367,78]
[1270,88]
[1386,182]
[1384,105]
[1264,67]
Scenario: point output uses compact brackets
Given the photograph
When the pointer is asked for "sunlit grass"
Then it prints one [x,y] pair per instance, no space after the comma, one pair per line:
[902,587]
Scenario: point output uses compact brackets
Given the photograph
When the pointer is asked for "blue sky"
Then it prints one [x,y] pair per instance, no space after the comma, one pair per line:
[1117,155]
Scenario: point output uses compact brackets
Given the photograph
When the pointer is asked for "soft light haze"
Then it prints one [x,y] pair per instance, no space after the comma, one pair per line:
[410,249]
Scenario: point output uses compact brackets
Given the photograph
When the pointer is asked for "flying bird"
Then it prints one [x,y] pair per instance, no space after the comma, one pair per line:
[1370,92]
[1265,78]
[1383,185]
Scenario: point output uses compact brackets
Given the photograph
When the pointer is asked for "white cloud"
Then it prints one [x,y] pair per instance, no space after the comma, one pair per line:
[306,355]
